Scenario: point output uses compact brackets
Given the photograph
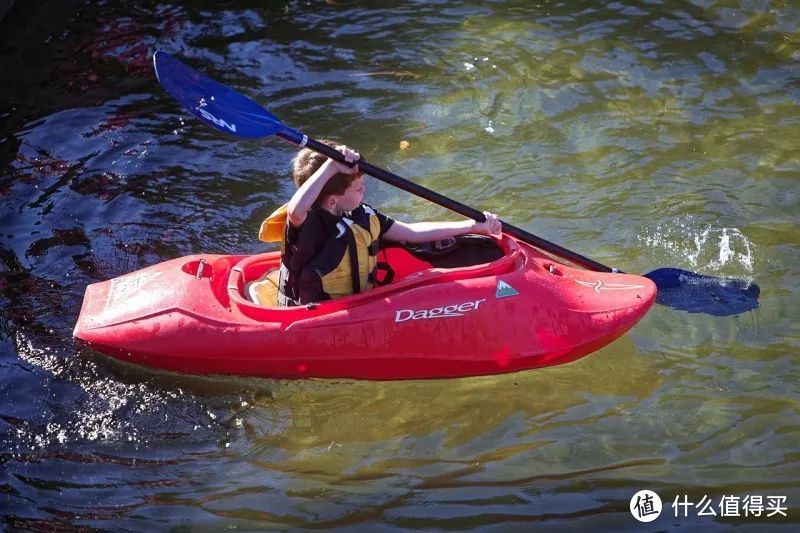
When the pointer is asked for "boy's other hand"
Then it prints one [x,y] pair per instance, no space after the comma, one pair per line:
[491,226]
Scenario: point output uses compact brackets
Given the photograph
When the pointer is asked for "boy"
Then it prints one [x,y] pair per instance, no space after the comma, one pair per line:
[331,239]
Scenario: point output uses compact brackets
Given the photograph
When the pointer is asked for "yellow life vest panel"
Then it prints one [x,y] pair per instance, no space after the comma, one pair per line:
[340,281]
[274,226]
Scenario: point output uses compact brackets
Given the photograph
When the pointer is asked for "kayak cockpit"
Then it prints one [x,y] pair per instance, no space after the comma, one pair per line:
[253,281]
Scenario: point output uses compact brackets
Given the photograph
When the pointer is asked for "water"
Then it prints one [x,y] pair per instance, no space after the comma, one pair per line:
[639,134]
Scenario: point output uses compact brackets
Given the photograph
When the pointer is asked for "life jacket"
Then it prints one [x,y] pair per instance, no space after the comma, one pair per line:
[319,265]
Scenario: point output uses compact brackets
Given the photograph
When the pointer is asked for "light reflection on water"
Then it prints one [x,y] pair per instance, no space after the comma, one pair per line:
[640,136]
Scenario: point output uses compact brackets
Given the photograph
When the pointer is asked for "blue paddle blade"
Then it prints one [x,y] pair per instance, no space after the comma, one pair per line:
[216,105]
[697,293]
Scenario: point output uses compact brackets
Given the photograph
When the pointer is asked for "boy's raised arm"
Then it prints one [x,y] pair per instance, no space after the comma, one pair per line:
[307,194]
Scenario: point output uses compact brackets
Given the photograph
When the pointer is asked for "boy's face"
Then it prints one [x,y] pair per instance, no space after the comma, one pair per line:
[353,195]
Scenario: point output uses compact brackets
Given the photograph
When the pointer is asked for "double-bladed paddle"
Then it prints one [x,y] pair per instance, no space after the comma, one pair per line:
[235,114]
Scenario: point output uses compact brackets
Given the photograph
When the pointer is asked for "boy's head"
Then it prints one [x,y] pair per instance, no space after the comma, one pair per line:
[307,161]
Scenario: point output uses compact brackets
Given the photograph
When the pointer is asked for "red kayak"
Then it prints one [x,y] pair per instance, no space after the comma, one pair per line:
[476,306]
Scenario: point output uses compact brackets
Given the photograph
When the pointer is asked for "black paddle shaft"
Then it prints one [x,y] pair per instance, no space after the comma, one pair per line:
[449,203]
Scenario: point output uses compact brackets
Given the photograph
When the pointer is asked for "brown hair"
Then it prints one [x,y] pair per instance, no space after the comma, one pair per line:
[307,161]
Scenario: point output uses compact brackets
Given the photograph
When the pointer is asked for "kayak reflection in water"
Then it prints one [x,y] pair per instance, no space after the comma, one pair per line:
[330,237]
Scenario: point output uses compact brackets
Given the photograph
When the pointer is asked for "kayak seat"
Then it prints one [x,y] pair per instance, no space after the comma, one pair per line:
[264,290]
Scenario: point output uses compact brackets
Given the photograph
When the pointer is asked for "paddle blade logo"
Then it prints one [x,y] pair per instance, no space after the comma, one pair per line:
[504,290]
[217,121]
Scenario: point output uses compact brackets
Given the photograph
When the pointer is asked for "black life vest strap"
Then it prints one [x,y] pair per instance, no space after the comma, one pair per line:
[387,278]
[285,281]
[354,270]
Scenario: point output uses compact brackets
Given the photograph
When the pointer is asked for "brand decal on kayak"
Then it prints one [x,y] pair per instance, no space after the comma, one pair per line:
[218,121]
[504,290]
[122,288]
[599,286]
[448,311]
